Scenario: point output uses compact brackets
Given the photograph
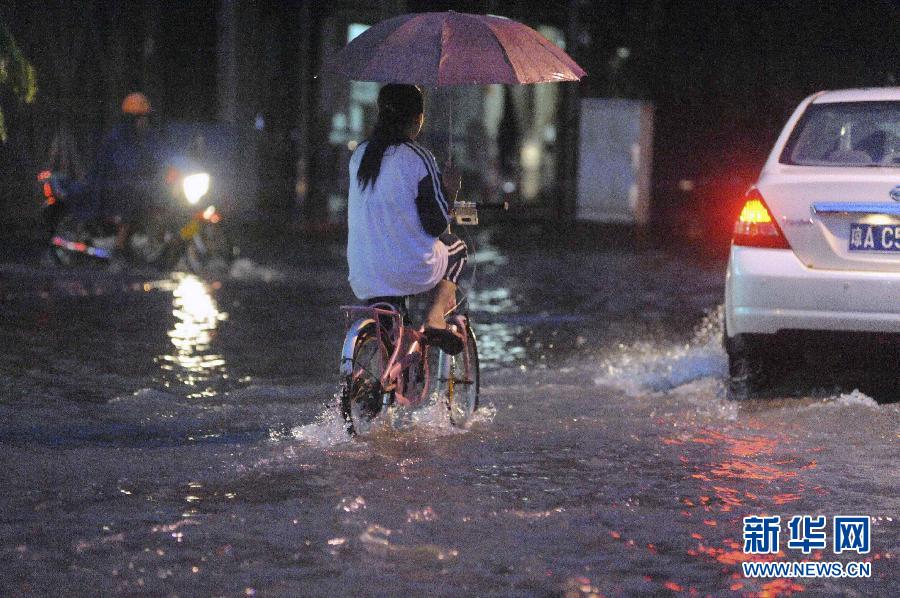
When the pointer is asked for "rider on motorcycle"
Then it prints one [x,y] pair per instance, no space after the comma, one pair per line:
[129,171]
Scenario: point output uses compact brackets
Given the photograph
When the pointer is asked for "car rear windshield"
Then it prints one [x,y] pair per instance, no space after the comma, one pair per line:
[846,134]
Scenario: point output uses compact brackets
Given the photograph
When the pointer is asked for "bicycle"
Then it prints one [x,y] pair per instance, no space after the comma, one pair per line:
[385,361]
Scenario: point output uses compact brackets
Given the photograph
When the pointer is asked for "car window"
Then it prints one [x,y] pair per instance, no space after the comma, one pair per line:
[846,134]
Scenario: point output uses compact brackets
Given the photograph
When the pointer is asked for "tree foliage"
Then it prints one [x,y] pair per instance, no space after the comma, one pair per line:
[16,74]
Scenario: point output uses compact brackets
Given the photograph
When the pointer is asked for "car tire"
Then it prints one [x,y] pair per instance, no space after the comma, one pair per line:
[747,366]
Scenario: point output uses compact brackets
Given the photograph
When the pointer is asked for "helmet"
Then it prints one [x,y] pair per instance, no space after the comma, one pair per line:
[136,104]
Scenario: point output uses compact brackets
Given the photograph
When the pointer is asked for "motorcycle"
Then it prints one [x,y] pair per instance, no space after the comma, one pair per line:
[180,228]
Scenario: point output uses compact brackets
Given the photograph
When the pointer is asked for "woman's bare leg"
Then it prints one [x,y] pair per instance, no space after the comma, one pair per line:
[442,300]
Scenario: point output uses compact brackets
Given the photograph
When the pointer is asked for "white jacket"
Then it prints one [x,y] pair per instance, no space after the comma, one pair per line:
[389,251]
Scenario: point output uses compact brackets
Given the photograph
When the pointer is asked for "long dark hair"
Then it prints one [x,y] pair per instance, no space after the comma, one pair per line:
[398,106]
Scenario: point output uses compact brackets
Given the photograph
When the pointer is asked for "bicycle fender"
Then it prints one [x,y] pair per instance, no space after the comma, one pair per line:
[350,344]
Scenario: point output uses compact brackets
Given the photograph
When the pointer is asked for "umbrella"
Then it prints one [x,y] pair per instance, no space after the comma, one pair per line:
[438,49]
[448,48]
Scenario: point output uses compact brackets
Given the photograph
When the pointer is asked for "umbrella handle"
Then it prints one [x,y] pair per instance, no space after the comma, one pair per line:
[450,131]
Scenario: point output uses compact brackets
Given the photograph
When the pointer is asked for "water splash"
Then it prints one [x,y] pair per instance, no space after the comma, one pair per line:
[432,419]
[857,399]
[649,366]
[326,430]
[708,397]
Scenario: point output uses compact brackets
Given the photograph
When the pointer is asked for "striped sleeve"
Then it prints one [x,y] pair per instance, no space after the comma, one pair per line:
[431,198]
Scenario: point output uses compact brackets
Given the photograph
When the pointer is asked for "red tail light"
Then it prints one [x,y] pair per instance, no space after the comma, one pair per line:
[756,227]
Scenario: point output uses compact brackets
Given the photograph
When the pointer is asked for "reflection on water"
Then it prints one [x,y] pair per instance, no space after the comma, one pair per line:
[739,473]
[499,343]
[492,301]
[196,318]
[634,486]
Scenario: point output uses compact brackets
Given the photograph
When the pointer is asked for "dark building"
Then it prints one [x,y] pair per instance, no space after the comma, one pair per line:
[244,77]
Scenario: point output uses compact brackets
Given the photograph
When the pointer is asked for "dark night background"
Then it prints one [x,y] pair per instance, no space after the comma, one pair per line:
[722,76]
[168,433]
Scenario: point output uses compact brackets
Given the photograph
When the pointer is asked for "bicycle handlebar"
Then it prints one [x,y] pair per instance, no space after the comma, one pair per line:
[498,207]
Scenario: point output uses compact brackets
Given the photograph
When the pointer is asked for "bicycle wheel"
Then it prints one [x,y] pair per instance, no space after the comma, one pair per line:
[361,396]
[459,380]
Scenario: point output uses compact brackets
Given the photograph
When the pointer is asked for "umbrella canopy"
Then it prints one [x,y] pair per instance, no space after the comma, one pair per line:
[449,48]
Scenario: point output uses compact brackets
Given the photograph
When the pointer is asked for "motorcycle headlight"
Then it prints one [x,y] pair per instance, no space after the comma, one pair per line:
[195,186]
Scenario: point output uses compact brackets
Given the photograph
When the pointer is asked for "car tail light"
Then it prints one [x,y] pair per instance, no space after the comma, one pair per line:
[756,227]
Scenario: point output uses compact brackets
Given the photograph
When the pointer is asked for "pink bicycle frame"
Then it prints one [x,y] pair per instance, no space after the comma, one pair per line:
[409,349]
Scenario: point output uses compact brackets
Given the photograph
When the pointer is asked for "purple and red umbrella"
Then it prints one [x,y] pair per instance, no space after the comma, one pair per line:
[437,49]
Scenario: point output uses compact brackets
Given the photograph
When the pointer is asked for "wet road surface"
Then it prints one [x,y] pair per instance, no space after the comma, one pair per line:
[168,435]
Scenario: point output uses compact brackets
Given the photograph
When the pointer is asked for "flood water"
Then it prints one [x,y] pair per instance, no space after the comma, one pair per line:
[169,435]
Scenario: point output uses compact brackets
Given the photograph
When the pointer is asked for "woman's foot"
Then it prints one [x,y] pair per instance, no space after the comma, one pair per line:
[443,300]
[445,339]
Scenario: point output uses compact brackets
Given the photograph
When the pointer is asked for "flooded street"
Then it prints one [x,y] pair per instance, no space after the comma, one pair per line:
[166,435]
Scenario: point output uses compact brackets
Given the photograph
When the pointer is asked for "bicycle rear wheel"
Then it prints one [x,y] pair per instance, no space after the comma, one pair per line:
[361,395]
[459,381]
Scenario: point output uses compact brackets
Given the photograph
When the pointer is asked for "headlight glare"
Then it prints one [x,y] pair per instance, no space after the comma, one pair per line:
[195,186]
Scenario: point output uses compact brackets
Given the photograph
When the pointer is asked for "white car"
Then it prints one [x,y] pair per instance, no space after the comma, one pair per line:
[817,244]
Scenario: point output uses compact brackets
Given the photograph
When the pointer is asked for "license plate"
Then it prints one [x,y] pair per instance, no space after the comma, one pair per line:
[190,229]
[875,237]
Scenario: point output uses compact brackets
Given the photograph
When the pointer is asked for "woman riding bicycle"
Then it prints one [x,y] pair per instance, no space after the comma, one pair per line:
[399,242]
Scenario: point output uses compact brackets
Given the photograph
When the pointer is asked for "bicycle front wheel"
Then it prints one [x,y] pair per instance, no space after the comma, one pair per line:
[459,382]
[361,395]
